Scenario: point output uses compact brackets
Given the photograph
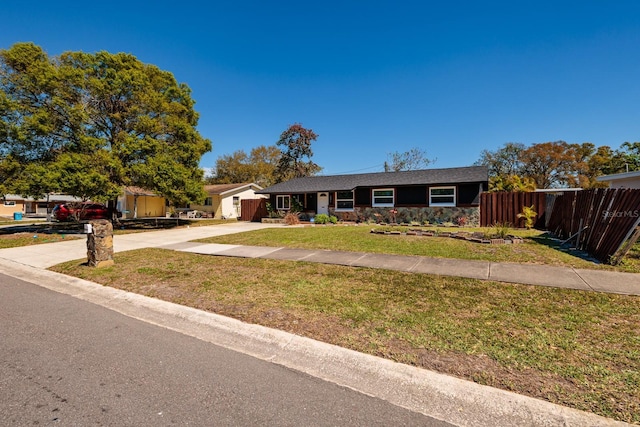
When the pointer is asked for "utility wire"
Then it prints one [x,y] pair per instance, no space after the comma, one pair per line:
[358,170]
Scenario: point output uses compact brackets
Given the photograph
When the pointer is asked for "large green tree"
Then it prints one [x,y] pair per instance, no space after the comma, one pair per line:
[38,117]
[513,183]
[9,171]
[295,161]
[503,162]
[100,121]
[625,159]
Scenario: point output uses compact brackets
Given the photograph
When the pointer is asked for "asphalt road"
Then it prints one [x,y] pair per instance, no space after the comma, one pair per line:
[68,362]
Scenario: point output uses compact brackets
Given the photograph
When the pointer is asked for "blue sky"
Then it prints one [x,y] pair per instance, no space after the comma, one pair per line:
[373,77]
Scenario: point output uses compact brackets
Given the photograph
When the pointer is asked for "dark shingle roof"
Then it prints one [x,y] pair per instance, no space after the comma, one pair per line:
[312,184]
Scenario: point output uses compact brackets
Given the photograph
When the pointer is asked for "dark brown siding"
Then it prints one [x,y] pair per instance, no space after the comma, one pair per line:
[469,194]
[411,196]
[363,196]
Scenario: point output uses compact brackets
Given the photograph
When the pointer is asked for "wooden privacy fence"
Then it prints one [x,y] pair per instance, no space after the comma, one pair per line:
[603,221]
[253,209]
[504,207]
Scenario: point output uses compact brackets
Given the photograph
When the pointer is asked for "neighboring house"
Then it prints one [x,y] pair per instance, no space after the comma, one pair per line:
[622,180]
[224,200]
[137,202]
[134,203]
[434,195]
[12,203]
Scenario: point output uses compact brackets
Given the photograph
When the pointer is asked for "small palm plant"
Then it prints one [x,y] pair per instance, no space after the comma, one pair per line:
[501,230]
[529,214]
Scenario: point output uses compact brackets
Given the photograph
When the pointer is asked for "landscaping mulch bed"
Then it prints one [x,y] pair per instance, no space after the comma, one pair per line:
[476,237]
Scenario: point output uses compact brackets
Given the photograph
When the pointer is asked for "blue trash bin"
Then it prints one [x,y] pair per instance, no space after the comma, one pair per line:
[17,216]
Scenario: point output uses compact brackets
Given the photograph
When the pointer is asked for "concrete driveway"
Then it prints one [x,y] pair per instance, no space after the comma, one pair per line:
[50,254]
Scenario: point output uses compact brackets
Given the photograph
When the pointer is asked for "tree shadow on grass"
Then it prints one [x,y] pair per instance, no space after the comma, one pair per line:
[72,227]
[45,228]
[547,239]
[147,224]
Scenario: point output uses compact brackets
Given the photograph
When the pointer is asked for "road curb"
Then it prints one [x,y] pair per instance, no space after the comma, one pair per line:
[447,398]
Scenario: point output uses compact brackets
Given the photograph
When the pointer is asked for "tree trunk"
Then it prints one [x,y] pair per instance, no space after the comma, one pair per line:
[113,212]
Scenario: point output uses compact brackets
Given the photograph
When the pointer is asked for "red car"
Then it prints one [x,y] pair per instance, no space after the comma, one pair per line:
[81,211]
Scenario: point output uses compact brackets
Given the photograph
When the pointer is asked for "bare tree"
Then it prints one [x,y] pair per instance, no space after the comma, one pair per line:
[413,159]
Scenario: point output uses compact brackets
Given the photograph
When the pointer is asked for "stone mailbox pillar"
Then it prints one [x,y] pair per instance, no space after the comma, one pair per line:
[99,243]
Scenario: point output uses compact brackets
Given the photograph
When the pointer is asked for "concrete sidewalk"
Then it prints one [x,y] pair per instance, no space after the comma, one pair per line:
[528,274]
[47,255]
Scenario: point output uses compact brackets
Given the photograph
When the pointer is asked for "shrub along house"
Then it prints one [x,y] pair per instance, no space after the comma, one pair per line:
[434,195]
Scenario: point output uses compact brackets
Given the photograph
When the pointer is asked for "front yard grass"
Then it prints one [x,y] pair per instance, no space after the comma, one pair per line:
[574,348]
[27,239]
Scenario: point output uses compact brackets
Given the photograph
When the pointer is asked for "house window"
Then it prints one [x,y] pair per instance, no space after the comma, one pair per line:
[208,201]
[283,203]
[383,197]
[344,200]
[236,200]
[9,202]
[442,196]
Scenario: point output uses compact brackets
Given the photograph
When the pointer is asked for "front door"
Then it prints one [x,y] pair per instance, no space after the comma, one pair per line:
[323,203]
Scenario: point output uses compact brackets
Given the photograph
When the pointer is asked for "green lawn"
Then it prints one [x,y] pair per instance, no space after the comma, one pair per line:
[27,239]
[575,348]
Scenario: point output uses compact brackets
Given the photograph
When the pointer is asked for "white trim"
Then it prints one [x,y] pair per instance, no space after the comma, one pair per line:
[556,190]
[444,204]
[617,176]
[383,205]
[252,186]
[322,204]
[283,197]
[352,200]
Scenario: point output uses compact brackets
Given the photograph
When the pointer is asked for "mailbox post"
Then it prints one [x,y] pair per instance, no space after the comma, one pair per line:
[99,243]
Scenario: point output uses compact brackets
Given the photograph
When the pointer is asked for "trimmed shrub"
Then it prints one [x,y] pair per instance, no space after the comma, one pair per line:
[321,219]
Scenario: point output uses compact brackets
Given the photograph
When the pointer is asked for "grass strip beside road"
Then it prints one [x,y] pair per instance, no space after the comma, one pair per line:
[579,349]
